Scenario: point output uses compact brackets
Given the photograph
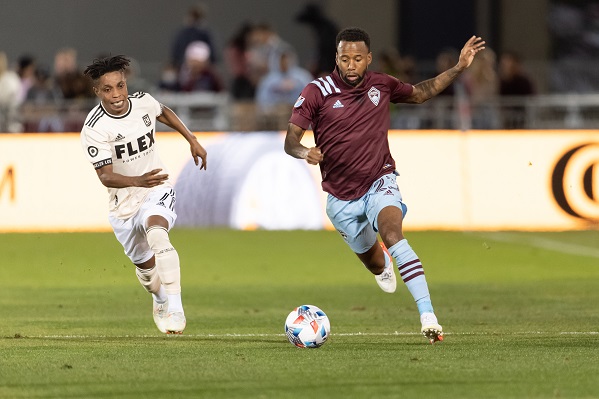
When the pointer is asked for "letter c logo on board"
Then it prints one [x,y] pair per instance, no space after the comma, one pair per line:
[575,182]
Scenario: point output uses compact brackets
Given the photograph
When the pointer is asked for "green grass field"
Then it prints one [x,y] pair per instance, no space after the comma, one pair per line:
[520,311]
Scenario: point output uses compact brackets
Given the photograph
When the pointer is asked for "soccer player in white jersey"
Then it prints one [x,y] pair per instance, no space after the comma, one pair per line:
[348,111]
[119,139]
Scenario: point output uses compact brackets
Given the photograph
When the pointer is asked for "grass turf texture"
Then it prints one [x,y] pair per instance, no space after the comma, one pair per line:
[521,318]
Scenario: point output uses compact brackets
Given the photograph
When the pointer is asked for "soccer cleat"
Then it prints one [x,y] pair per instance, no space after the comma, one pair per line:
[431,328]
[160,313]
[175,323]
[386,280]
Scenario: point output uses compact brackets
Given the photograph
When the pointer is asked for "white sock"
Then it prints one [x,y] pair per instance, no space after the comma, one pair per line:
[149,279]
[174,303]
[167,259]
[160,296]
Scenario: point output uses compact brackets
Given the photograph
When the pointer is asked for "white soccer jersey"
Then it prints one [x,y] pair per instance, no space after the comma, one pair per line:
[128,143]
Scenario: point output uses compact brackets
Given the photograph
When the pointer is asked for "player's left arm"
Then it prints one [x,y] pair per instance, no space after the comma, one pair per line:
[170,119]
[427,89]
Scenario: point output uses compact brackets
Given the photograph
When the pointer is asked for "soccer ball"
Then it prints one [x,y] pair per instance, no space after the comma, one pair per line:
[307,326]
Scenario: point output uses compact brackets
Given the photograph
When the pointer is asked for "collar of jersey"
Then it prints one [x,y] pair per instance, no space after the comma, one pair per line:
[339,80]
[118,116]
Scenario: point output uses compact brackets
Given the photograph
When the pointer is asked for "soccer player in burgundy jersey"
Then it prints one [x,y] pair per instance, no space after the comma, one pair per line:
[348,111]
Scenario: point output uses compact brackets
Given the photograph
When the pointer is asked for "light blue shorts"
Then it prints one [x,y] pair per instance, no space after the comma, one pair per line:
[356,220]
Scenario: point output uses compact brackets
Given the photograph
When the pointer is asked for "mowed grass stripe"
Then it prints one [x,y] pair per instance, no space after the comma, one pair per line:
[542,242]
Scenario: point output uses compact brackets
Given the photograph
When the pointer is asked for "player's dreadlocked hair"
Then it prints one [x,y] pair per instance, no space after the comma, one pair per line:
[353,35]
[102,66]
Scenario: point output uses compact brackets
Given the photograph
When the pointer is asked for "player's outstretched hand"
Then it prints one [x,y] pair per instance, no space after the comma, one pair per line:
[152,178]
[198,152]
[472,46]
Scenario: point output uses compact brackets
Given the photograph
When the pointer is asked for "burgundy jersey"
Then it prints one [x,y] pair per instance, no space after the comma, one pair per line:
[350,127]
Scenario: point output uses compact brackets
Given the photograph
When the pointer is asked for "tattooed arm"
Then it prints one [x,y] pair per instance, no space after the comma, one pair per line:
[429,88]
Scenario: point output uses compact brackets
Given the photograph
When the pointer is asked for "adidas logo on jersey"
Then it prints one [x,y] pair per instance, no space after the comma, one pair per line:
[119,137]
[337,104]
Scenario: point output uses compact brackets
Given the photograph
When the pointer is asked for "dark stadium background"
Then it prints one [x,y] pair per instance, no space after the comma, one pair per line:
[144,29]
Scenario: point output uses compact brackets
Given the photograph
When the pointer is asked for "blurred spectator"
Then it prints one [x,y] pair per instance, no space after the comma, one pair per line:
[392,63]
[282,85]
[26,71]
[265,47]
[197,73]
[514,82]
[10,89]
[404,69]
[452,104]
[447,58]
[42,106]
[169,78]
[325,31]
[135,82]
[236,56]
[483,87]
[192,31]
[513,79]
[68,78]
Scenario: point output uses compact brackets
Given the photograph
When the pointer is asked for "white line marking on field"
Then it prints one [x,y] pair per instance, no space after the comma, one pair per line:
[543,243]
[354,334]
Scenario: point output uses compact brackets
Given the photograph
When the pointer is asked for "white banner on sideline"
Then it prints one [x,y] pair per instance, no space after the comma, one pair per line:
[476,180]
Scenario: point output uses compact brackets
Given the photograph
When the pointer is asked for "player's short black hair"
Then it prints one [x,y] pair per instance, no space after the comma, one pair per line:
[353,35]
[102,66]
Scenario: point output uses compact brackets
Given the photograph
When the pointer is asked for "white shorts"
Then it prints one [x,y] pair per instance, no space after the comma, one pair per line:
[131,232]
[356,220]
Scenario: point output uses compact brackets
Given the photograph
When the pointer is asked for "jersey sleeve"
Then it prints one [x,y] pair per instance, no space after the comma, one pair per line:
[306,106]
[96,147]
[400,91]
[154,104]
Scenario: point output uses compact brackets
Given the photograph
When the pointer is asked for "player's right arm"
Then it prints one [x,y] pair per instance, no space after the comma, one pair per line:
[115,180]
[296,149]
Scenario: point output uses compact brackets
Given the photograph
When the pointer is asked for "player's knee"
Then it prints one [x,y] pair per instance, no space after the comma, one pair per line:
[158,240]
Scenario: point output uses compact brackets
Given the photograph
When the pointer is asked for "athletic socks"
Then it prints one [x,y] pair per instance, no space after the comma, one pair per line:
[160,296]
[167,264]
[150,280]
[174,303]
[167,259]
[412,274]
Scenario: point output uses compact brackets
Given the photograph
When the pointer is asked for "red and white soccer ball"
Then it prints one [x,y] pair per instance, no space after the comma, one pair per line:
[307,326]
